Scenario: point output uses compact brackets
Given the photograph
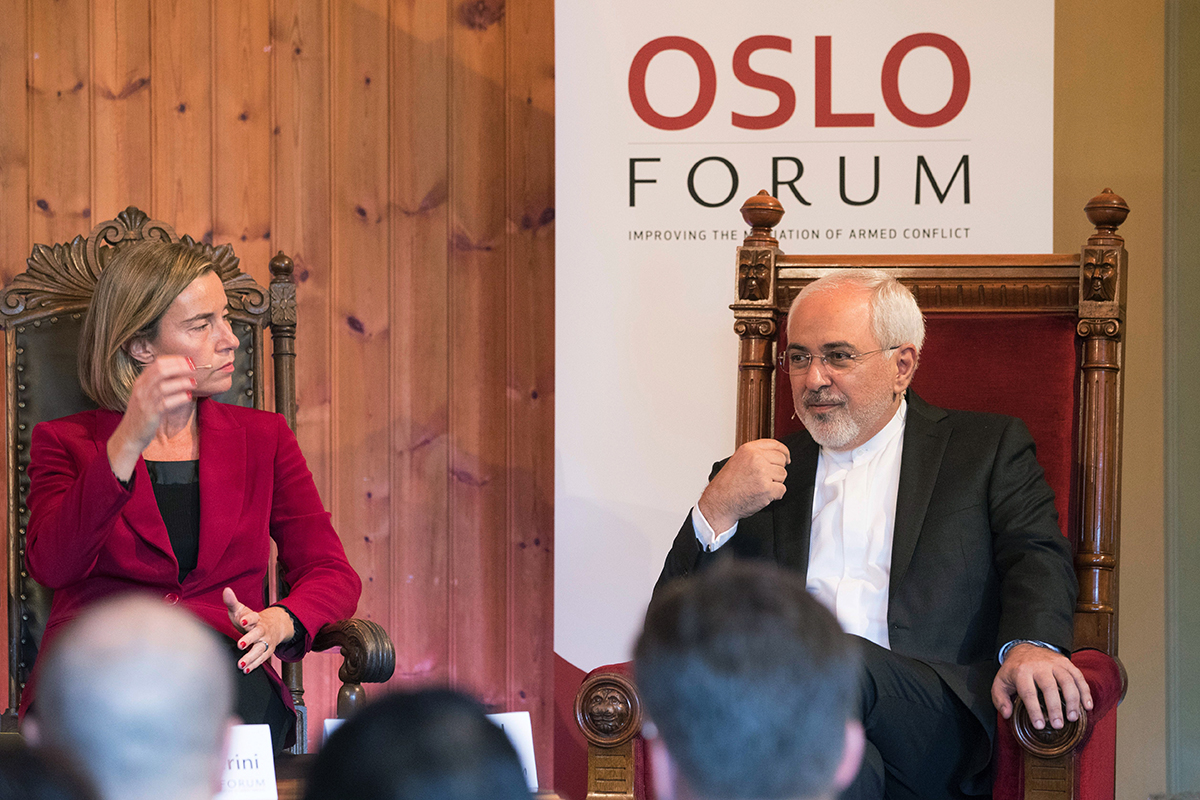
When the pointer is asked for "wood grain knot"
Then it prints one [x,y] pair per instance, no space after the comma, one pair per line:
[435,197]
[129,89]
[479,15]
[529,223]
[463,243]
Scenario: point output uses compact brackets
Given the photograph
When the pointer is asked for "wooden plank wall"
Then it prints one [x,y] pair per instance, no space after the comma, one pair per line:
[402,152]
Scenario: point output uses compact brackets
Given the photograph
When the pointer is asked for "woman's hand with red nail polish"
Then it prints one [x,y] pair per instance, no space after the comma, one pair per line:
[262,631]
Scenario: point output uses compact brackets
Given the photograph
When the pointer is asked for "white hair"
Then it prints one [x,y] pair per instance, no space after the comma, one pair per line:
[895,316]
[141,693]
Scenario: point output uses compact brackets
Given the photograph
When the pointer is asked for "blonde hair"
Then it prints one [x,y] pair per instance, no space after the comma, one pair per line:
[132,294]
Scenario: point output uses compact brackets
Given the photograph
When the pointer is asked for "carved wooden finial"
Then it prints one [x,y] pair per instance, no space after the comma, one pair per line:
[283,296]
[762,213]
[282,267]
[1106,211]
[133,218]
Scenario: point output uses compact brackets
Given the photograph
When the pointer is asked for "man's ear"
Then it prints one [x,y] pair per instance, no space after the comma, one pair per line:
[906,367]
[662,769]
[140,350]
[852,753]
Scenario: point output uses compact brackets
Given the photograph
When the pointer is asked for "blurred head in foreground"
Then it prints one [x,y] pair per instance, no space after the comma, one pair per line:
[141,695]
[434,744]
[751,685]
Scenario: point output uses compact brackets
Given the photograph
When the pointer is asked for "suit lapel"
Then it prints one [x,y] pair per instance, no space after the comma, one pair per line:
[222,482]
[141,513]
[792,515]
[924,444]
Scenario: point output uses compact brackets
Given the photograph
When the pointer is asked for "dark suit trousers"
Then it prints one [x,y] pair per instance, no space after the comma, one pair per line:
[921,739]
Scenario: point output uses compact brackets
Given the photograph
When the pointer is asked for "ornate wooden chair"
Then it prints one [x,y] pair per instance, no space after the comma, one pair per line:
[1035,336]
[41,312]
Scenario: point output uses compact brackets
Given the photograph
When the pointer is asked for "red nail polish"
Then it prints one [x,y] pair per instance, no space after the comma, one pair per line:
[191,364]
[189,395]
[242,664]
[243,622]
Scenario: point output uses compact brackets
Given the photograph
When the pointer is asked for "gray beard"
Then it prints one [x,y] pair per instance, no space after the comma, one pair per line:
[835,430]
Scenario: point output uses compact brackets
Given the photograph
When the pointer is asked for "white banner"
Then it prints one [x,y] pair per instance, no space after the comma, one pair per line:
[882,127]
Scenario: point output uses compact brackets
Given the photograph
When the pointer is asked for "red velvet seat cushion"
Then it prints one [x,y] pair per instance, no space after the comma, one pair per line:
[1024,365]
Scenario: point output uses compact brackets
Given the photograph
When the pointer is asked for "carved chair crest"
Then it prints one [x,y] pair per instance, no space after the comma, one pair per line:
[62,277]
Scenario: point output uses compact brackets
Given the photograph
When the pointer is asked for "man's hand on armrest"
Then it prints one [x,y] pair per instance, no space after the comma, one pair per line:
[750,479]
[1027,668]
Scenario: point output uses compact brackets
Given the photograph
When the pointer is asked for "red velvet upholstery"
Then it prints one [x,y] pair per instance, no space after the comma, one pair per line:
[1024,365]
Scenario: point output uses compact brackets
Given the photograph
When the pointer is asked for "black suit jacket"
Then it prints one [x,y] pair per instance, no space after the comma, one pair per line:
[977,556]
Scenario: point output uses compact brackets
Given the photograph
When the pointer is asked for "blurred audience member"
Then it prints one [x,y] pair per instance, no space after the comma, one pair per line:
[29,774]
[751,685]
[141,694]
[430,745]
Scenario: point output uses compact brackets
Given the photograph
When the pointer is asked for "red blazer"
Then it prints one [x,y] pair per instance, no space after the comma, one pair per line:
[90,538]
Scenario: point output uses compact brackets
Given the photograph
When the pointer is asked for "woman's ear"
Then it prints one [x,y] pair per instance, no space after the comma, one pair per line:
[140,350]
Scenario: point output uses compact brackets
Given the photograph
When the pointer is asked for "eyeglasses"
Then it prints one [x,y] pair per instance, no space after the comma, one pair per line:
[798,361]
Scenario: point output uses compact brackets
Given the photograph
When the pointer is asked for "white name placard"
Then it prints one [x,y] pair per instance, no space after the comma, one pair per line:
[249,765]
[519,728]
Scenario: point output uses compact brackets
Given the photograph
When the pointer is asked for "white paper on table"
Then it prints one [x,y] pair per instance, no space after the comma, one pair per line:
[518,726]
[249,765]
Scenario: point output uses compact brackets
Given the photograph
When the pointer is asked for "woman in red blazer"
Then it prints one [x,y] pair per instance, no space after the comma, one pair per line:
[166,491]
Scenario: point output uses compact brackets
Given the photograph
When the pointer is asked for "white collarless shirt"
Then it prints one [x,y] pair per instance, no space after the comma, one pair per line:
[853,523]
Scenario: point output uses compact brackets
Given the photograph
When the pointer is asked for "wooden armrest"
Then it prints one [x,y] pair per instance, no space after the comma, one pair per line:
[1108,682]
[608,711]
[368,656]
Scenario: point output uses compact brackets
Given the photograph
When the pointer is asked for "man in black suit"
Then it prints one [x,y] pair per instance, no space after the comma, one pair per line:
[929,533]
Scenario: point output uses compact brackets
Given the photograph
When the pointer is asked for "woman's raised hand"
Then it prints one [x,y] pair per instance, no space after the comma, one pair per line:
[262,631]
[166,383]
